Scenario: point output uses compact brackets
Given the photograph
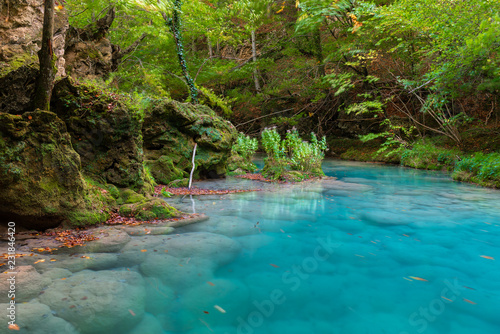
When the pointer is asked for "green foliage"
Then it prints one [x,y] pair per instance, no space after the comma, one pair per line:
[480,168]
[396,137]
[245,146]
[165,193]
[305,156]
[291,154]
[426,155]
[217,103]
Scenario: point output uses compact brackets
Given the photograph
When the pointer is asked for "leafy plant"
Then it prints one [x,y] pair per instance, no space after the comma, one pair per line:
[165,193]
[396,138]
[245,146]
[480,168]
[291,154]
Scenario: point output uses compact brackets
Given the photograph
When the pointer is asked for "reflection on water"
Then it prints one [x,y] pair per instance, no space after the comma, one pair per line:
[381,249]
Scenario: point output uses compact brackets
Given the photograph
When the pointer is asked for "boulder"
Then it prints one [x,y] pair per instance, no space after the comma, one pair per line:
[21,24]
[105,132]
[170,131]
[178,273]
[39,170]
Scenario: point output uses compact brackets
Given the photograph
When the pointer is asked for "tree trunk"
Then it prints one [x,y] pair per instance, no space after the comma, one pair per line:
[47,59]
[254,57]
[210,50]
[319,51]
[174,24]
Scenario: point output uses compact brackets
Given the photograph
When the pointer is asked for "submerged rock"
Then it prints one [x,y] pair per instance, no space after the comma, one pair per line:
[98,302]
[36,318]
[225,300]
[149,325]
[178,273]
[28,284]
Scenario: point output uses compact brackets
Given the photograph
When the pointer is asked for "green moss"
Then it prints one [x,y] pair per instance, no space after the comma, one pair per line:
[236,162]
[145,215]
[179,183]
[162,212]
[113,190]
[125,211]
[18,61]
[87,218]
[128,196]
[429,156]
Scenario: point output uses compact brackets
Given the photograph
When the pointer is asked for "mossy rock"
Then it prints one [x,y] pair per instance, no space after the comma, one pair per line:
[170,132]
[236,162]
[179,183]
[151,208]
[17,89]
[105,131]
[164,170]
[39,170]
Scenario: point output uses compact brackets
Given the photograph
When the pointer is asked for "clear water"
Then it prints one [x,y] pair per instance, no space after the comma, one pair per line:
[380,250]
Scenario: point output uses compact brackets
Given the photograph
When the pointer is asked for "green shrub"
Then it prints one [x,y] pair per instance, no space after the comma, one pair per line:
[483,169]
[305,156]
[245,146]
[291,154]
[428,156]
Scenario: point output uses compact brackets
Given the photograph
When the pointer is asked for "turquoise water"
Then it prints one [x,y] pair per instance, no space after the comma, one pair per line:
[346,252]
[381,249]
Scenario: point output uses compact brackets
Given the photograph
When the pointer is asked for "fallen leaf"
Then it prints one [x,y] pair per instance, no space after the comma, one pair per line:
[220,309]
[144,250]
[210,283]
[418,278]
[206,312]
[275,266]
[132,312]
[447,299]
[14,327]
[469,301]
[488,257]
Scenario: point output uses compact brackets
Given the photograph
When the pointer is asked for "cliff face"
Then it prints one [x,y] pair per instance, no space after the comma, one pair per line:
[21,34]
[20,39]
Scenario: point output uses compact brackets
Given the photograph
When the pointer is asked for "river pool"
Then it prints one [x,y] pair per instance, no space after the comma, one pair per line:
[379,249]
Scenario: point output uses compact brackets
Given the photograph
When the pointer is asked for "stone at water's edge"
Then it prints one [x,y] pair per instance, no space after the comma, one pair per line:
[170,131]
[39,170]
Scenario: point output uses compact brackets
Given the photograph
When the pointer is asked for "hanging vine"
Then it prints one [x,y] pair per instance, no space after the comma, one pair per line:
[175,25]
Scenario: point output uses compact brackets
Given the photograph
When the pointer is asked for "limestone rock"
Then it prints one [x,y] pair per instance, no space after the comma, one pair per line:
[178,273]
[28,283]
[36,318]
[107,138]
[98,302]
[21,24]
[39,170]
[170,131]
[149,325]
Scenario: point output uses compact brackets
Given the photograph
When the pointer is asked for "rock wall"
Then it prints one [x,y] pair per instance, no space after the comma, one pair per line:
[39,170]
[105,132]
[20,39]
[21,34]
